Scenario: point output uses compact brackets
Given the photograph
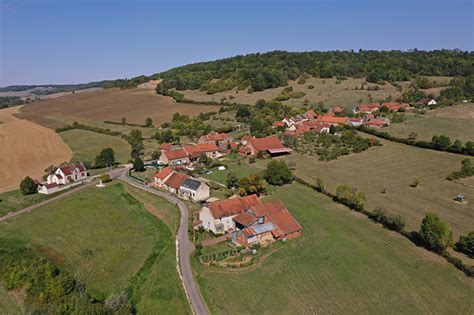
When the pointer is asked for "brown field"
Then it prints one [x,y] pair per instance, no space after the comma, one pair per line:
[325,90]
[109,104]
[393,167]
[456,121]
[26,149]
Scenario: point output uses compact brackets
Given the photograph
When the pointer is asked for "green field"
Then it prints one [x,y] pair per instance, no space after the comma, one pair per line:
[392,168]
[86,145]
[111,241]
[14,200]
[456,121]
[344,264]
[241,171]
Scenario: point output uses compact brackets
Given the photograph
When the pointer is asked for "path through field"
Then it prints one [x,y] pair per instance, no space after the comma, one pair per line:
[26,149]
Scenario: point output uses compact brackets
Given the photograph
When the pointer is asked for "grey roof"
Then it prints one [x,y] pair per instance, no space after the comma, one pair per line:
[191,184]
[262,228]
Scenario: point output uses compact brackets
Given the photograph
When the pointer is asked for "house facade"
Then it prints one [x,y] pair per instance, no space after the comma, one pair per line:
[213,137]
[68,174]
[195,190]
[47,189]
[174,157]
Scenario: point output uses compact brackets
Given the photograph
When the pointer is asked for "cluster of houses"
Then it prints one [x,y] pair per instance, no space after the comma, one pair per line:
[63,177]
[312,122]
[249,220]
[182,185]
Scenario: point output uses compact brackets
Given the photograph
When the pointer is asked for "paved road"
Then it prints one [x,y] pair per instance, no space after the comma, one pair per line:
[184,246]
[40,204]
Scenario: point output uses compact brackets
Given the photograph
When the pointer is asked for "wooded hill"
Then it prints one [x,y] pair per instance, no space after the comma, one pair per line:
[258,72]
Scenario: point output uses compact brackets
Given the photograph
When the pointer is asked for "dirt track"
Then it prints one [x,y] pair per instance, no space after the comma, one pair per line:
[26,149]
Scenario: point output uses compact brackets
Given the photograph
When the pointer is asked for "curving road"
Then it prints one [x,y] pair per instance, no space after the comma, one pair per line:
[184,247]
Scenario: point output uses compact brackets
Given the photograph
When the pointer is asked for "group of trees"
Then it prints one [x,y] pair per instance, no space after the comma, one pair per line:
[252,184]
[350,197]
[166,136]
[50,290]
[467,170]
[105,158]
[390,221]
[278,173]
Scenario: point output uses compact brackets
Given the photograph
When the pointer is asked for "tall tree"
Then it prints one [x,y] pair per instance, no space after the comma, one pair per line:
[28,186]
[436,233]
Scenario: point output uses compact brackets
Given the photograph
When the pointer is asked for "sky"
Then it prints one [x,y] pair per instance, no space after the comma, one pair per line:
[65,41]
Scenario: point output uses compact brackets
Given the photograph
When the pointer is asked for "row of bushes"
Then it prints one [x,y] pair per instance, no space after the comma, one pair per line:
[123,124]
[439,143]
[392,222]
[76,125]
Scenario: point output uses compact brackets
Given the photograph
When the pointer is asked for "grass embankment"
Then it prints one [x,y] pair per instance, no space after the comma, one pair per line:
[342,263]
[86,145]
[385,174]
[8,305]
[110,239]
[14,200]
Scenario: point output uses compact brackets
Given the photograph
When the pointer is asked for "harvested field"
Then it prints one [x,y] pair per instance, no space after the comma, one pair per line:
[26,149]
[456,121]
[342,264]
[325,90]
[393,167]
[109,104]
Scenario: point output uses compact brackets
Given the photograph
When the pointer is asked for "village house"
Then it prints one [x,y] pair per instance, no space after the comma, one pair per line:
[68,174]
[332,120]
[395,107]
[355,122]
[47,189]
[181,184]
[296,120]
[194,151]
[368,108]
[377,123]
[270,145]
[427,102]
[336,110]
[213,137]
[217,216]
[265,223]
[174,157]
[308,126]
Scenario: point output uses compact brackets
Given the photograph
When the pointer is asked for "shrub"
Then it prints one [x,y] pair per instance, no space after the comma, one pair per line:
[465,244]
[390,221]
[105,178]
[28,186]
[436,234]
[138,165]
[278,173]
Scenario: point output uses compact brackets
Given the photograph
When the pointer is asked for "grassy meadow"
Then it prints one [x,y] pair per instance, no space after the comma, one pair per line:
[385,173]
[8,304]
[86,145]
[14,200]
[342,263]
[110,239]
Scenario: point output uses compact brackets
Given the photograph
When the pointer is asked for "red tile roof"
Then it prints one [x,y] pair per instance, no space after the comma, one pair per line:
[245,218]
[331,119]
[68,169]
[163,173]
[176,154]
[266,144]
[279,215]
[369,107]
[52,185]
[166,146]
[337,109]
[215,136]
[376,122]
[175,180]
[195,150]
[234,206]
[311,114]
[278,124]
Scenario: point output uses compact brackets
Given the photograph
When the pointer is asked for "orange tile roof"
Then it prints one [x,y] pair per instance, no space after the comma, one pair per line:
[265,144]
[311,114]
[331,119]
[215,136]
[279,215]
[369,107]
[229,207]
[163,173]
[166,146]
[176,154]
[176,179]
[245,218]
[195,150]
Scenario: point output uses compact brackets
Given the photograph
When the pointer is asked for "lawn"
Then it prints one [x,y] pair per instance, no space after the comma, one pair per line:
[86,145]
[147,175]
[444,121]
[111,241]
[241,171]
[14,200]
[392,168]
[342,263]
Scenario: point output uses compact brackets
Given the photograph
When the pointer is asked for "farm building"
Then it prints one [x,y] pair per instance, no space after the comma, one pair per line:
[47,189]
[174,157]
[270,145]
[217,216]
[213,137]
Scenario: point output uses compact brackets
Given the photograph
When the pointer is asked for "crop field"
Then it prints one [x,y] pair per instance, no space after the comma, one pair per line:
[342,263]
[26,149]
[457,122]
[106,235]
[109,104]
[385,173]
[325,90]
[85,145]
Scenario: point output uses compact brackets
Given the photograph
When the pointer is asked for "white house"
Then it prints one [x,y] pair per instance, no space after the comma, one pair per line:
[195,190]
[68,174]
[217,216]
[47,189]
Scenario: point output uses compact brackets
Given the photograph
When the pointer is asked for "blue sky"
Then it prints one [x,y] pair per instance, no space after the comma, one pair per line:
[53,41]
